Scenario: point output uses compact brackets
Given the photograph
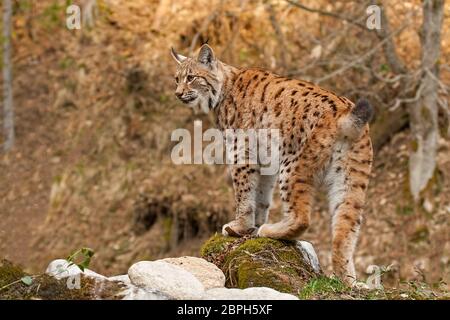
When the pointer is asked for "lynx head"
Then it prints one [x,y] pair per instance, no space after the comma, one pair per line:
[198,80]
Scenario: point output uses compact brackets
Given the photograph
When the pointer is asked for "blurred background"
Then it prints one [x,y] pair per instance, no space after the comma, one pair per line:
[87,116]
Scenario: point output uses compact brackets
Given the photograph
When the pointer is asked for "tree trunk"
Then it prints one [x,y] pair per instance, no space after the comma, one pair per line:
[387,124]
[424,112]
[8,123]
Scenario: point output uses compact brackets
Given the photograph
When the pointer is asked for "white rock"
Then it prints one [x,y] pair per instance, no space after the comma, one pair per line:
[309,254]
[131,292]
[166,278]
[90,273]
[256,293]
[206,272]
[60,269]
[122,278]
[135,293]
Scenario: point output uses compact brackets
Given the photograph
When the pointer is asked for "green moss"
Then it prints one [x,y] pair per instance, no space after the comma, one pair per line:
[47,287]
[290,256]
[259,262]
[9,273]
[215,245]
[323,286]
[333,288]
[254,274]
[258,274]
[258,244]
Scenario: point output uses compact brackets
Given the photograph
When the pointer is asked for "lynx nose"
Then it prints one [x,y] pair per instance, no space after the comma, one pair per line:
[179,94]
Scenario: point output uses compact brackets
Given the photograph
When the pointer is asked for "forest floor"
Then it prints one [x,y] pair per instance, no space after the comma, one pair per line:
[91,165]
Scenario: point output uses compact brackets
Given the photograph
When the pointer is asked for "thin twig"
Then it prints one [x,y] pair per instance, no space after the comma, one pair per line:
[10,284]
[278,33]
[389,47]
[383,33]
[416,98]
[442,85]
[329,14]
[18,281]
[364,56]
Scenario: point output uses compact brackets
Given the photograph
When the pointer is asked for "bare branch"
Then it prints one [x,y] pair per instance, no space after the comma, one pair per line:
[383,33]
[389,49]
[350,20]
[395,79]
[442,85]
[278,33]
[364,56]
[416,98]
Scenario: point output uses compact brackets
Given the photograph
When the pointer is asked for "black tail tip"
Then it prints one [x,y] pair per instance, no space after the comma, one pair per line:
[363,111]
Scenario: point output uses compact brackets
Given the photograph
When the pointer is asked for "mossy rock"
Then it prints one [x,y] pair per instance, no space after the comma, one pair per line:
[259,262]
[45,287]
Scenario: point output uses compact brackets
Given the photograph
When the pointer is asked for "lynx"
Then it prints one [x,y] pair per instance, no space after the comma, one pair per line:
[324,142]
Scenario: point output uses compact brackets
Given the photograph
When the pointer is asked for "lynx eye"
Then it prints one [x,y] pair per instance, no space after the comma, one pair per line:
[190,78]
[177,79]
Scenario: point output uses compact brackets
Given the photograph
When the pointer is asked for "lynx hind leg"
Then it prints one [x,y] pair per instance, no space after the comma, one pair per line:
[245,180]
[347,180]
[264,194]
[296,190]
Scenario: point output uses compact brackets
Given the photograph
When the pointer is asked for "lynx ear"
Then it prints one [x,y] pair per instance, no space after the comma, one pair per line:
[206,55]
[178,57]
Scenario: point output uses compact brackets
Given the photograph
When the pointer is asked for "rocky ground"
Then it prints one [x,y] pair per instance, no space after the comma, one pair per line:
[232,269]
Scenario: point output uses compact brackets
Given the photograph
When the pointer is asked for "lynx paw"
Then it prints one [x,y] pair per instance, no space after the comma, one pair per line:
[236,229]
[262,231]
[268,230]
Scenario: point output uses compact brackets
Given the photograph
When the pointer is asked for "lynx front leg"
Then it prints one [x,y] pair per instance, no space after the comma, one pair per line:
[245,179]
[264,194]
[296,190]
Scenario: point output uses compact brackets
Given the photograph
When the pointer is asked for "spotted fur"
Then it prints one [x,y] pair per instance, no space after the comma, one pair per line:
[324,141]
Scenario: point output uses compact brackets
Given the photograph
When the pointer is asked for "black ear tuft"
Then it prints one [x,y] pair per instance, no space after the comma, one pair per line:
[178,57]
[206,55]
